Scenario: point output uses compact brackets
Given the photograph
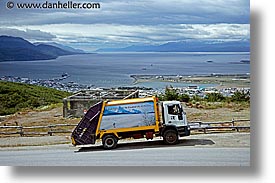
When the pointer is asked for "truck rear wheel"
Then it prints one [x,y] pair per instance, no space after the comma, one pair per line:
[109,142]
[170,137]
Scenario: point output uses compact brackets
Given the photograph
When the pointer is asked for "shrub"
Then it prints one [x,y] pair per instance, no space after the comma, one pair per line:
[184,98]
[196,98]
[16,96]
[240,96]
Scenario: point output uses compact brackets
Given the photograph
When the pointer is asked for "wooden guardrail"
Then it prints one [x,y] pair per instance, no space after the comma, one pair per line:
[35,130]
[196,127]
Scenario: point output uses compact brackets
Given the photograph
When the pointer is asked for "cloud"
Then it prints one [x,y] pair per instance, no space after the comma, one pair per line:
[123,23]
[150,12]
[29,34]
[103,35]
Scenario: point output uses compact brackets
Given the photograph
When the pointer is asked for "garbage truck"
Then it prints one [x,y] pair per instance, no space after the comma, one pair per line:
[111,121]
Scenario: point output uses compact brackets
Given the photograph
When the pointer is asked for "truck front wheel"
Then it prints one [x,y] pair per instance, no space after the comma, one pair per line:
[170,137]
[109,142]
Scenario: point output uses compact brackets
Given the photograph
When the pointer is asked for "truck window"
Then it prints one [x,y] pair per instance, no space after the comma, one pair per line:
[174,109]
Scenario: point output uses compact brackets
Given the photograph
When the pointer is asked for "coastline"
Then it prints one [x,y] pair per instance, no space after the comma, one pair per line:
[220,80]
[146,81]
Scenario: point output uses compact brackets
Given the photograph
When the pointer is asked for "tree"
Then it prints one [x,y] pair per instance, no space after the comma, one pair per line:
[214,97]
[171,94]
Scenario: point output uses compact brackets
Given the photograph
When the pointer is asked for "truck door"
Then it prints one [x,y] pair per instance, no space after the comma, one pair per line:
[174,113]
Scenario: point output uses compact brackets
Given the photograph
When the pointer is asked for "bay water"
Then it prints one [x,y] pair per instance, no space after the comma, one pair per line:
[114,69]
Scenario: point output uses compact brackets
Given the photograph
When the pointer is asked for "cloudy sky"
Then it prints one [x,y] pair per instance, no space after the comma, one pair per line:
[127,22]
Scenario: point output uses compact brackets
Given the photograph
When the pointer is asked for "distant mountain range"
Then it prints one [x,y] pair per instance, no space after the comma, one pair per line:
[63,47]
[186,46]
[19,49]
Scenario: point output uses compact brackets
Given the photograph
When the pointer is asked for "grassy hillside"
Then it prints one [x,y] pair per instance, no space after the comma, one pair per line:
[16,96]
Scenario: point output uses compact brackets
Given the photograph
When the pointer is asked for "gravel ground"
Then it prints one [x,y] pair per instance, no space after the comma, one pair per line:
[33,141]
[225,139]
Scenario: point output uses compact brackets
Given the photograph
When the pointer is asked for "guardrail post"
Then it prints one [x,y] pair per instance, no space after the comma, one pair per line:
[20,128]
[50,130]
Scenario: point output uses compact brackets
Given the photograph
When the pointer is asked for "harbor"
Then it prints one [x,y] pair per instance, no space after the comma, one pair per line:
[200,85]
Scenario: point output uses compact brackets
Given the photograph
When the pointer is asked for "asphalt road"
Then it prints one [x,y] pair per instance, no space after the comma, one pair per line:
[190,152]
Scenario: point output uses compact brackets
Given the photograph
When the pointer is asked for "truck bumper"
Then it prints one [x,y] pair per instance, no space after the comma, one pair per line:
[184,131]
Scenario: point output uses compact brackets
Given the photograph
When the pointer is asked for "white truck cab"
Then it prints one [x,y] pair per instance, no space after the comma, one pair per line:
[174,115]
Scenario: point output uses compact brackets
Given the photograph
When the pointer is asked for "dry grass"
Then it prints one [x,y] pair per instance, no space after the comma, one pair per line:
[54,116]
[41,117]
[217,114]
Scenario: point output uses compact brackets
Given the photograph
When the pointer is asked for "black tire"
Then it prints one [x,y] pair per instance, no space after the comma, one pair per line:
[187,132]
[170,137]
[109,141]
